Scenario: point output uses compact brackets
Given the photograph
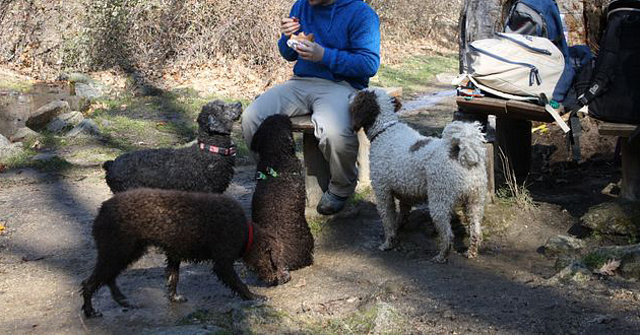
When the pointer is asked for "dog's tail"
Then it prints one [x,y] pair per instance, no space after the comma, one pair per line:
[107,165]
[466,143]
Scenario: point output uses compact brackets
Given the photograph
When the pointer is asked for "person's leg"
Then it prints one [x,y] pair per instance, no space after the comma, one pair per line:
[286,98]
[338,141]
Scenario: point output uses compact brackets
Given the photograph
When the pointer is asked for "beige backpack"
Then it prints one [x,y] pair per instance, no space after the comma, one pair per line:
[515,66]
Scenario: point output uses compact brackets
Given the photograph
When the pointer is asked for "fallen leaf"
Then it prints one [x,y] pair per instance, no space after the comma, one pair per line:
[609,268]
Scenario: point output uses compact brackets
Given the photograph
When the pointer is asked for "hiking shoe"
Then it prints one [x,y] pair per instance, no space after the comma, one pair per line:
[330,203]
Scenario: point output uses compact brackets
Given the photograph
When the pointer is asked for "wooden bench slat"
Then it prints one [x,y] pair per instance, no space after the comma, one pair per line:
[616,129]
[504,108]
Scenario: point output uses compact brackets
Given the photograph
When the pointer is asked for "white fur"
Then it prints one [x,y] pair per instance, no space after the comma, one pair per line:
[427,173]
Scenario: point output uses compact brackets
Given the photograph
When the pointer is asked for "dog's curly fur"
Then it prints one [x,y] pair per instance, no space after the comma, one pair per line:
[187,226]
[278,204]
[412,168]
[186,169]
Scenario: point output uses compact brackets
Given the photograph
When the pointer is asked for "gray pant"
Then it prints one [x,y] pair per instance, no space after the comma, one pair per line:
[328,104]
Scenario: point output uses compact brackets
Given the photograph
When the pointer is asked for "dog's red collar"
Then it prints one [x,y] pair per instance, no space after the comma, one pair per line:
[249,237]
[231,151]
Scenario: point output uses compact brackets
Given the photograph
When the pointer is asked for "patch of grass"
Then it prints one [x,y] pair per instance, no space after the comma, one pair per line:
[316,225]
[22,86]
[244,320]
[241,146]
[25,160]
[359,196]
[362,322]
[413,73]
[513,192]
[595,260]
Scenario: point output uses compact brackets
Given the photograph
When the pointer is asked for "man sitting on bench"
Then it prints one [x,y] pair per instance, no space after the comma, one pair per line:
[344,54]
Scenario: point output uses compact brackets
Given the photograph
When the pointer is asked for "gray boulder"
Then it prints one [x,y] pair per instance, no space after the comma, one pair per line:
[88,91]
[65,122]
[576,273]
[87,127]
[614,218]
[563,244]
[4,142]
[24,134]
[41,117]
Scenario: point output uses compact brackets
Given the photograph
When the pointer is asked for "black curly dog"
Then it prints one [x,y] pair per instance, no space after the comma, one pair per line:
[203,167]
[278,204]
[187,226]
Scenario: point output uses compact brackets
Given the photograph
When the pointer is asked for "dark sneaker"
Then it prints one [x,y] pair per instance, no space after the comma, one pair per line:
[330,203]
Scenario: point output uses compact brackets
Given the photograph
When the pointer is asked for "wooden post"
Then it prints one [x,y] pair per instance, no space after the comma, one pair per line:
[630,188]
[630,183]
[514,141]
[317,173]
[491,181]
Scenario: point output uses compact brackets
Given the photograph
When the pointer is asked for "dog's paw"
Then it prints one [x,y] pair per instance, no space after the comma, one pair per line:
[178,299]
[284,277]
[91,313]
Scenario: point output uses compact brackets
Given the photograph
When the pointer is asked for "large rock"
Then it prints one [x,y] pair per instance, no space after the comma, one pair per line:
[4,142]
[576,272]
[88,91]
[562,244]
[65,122]
[15,108]
[41,117]
[24,134]
[614,218]
[87,127]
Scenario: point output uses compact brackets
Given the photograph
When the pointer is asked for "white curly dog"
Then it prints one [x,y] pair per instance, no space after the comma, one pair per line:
[413,168]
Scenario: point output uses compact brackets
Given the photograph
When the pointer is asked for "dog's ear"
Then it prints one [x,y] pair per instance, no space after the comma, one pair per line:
[235,110]
[397,105]
[364,110]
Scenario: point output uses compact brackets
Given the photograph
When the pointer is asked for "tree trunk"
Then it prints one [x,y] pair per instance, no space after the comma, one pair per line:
[594,22]
[479,19]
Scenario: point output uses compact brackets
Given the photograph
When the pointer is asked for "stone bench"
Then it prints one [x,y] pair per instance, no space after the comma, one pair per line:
[317,173]
[630,183]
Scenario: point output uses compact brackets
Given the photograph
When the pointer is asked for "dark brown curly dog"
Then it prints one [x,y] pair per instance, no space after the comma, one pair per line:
[193,227]
[278,204]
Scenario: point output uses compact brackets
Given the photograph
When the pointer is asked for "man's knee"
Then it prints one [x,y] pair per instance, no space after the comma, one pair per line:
[341,140]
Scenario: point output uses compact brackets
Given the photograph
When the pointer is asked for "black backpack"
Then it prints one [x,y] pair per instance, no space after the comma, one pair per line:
[613,93]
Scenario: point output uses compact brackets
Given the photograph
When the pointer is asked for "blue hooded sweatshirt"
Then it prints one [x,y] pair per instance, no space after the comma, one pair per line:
[349,31]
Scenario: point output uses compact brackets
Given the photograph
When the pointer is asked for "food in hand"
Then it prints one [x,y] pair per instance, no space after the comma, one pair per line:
[295,40]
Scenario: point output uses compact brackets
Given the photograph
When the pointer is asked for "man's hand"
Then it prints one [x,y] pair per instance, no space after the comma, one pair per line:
[289,25]
[310,51]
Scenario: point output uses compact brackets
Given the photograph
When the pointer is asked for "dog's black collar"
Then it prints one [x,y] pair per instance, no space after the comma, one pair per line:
[387,126]
[230,151]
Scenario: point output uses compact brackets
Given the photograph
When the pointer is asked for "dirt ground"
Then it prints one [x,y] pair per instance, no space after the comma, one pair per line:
[47,250]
